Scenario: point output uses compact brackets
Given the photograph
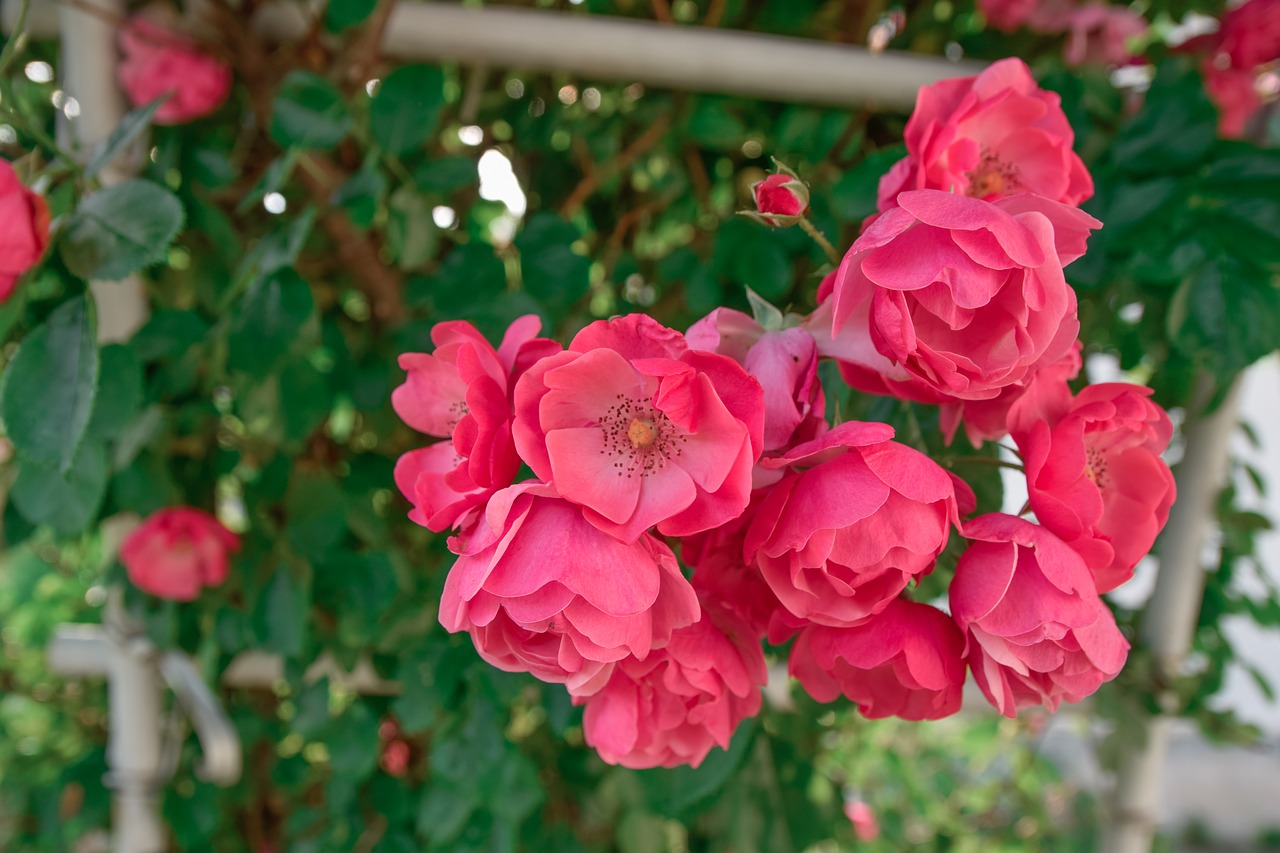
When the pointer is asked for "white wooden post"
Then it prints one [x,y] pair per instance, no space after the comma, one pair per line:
[1170,617]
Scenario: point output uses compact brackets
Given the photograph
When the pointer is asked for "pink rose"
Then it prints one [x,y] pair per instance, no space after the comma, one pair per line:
[854,518]
[958,298]
[1250,34]
[989,136]
[785,362]
[1044,391]
[781,199]
[639,430]
[158,60]
[1099,33]
[462,391]
[672,707]
[906,662]
[1235,94]
[1007,15]
[1095,477]
[542,591]
[863,818]
[1036,632]
[177,552]
[722,574]
[24,229]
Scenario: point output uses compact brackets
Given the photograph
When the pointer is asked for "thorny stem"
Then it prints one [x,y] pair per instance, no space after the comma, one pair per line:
[822,241]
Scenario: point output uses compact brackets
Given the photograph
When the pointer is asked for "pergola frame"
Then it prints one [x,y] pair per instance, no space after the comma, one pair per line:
[593,47]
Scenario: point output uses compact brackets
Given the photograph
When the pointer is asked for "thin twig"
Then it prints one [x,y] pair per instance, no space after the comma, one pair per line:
[590,183]
[662,11]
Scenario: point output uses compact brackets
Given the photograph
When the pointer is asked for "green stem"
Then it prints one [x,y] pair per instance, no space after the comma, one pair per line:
[16,38]
[818,237]
[981,460]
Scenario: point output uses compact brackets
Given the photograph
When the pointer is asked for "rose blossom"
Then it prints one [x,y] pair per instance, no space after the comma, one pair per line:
[672,707]
[1235,94]
[989,136]
[721,573]
[1007,15]
[24,229]
[462,391]
[1044,391]
[1099,33]
[158,60]
[1250,34]
[542,591]
[906,662]
[854,518]
[785,361]
[640,430]
[178,551]
[958,298]
[1036,632]
[781,199]
[1095,477]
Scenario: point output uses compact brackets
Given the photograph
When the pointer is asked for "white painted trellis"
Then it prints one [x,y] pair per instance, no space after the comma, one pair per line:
[747,64]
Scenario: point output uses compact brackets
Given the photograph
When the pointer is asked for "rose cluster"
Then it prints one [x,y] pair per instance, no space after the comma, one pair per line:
[637,438]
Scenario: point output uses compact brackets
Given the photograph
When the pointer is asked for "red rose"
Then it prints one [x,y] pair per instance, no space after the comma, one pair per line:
[177,552]
[24,229]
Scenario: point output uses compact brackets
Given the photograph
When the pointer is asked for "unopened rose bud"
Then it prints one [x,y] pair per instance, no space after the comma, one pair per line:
[781,200]
[863,818]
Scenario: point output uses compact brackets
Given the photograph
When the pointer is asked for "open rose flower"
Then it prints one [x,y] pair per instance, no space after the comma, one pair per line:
[906,662]
[1044,392]
[855,517]
[157,60]
[462,392]
[1099,33]
[1250,34]
[542,591]
[178,551]
[1007,15]
[672,707]
[640,430]
[1095,477]
[1235,94]
[785,361]
[24,229]
[958,298]
[989,136]
[1036,632]
[721,573]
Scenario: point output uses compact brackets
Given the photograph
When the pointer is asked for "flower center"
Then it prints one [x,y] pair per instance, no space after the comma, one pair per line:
[1095,468]
[457,412]
[641,433]
[993,176]
[638,438]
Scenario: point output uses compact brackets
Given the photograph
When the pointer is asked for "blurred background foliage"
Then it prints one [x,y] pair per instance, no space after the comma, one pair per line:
[334,210]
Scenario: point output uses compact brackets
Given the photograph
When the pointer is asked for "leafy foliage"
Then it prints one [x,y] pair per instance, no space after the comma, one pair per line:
[259,387]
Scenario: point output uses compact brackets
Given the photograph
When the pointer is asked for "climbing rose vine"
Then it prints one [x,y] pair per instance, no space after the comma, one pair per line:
[641,444]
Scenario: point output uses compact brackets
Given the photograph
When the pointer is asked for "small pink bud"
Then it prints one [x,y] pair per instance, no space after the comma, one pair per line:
[395,758]
[863,819]
[781,199]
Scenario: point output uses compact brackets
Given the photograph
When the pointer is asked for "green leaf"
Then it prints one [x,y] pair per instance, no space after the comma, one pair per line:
[130,128]
[447,174]
[169,334]
[283,610]
[360,196]
[406,108]
[411,232]
[309,113]
[49,386]
[341,14]
[121,229]
[119,391]
[268,320]
[550,269]
[65,503]
[1175,128]
[1225,316]
[853,198]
